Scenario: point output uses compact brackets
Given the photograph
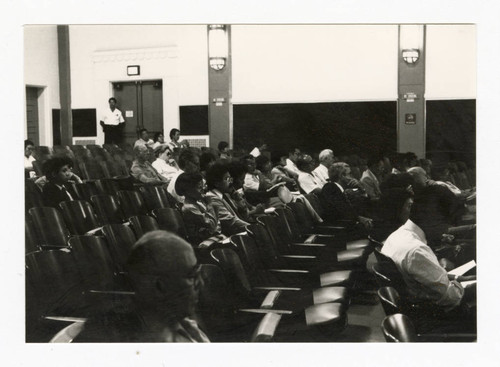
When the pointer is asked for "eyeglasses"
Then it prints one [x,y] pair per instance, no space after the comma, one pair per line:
[228,178]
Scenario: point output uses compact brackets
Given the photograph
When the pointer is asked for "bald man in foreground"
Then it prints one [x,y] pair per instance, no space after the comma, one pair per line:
[164,274]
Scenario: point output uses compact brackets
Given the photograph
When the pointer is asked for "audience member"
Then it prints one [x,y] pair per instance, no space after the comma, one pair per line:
[59,175]
[237,199]
[189,162]
[326,159]
[307,181]
[142,170]
[29,147]
[219,183]
[426,279]
[207,159]
[165,276]
[369,179]
[224,154]
[290,165]
[334,201]
[158,140]
[164,164]
[144,139]
[174,142]
[200,218]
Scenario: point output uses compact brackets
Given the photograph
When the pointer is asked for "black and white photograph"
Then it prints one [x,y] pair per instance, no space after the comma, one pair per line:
[304,183]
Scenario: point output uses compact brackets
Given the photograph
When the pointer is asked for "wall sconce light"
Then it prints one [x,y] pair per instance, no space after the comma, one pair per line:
[411,41]
[411,56]
[217,46]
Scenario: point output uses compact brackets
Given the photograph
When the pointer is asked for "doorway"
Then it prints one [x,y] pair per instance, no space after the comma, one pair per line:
[32,118]
[141,103]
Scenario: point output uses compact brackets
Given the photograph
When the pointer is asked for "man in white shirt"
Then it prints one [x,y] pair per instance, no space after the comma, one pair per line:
[307,182]
[291,167]
[112,123]
[29,147]
[326,159]
[425,277]
[144,139]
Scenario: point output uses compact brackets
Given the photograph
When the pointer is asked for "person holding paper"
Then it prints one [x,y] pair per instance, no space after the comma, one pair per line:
[425,277]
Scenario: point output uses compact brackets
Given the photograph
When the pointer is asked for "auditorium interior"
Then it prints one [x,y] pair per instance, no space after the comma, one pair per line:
[387,101]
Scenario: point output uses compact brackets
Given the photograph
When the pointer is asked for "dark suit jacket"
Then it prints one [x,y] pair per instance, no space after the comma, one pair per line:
[335,204]
[53,195]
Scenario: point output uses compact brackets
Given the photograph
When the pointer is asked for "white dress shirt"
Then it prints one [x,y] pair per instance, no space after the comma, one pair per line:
[308,182]
[321,174]
[419,266]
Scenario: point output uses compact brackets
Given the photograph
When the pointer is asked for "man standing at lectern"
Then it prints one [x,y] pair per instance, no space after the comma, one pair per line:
[112,123]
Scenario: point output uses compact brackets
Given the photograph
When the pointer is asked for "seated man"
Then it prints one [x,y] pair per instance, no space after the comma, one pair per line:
[369,179]
[174,142]
[290,165]
[334,200]
[219,183]
[142,170]
[326,159]
[426,279]
[165,277]
[144,139]
[307,181]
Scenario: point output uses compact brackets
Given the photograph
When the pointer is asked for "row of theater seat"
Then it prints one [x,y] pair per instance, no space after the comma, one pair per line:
[267,271]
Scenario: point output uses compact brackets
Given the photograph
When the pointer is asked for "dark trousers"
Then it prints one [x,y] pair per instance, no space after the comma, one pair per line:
[113,134]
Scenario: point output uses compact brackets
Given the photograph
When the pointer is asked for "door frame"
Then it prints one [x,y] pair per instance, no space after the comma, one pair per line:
[44,114]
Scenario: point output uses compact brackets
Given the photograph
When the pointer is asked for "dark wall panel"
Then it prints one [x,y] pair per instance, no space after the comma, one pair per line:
[84,122]
[451,130]
[346,127]
[193,120]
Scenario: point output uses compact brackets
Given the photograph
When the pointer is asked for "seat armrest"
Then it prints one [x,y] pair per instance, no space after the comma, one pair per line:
[270,299]
[260,310]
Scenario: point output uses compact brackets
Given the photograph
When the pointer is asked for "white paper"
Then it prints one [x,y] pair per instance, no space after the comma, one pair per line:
[461,270]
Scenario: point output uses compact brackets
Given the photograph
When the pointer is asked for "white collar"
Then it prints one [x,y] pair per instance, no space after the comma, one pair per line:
[410,226]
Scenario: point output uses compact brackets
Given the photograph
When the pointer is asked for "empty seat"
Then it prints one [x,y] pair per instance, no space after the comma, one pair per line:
[50,226]
[85,190]
[142,224]
[107,186]
[79,216]
[398,328]
[155,197]
[132,203]
[107,209]
[120,239]
[170,219]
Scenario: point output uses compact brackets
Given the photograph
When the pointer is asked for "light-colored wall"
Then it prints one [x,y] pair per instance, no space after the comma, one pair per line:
[174,54]
[41,70]
[271,63]
[451,62]
[314,63]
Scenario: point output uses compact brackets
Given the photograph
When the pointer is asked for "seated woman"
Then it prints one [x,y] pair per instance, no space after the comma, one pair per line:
[200,217]
[164,163]
[59,175]
[243,208]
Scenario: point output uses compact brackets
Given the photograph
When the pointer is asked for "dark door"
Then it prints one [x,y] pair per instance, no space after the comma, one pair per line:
[141,103]
[32,114]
